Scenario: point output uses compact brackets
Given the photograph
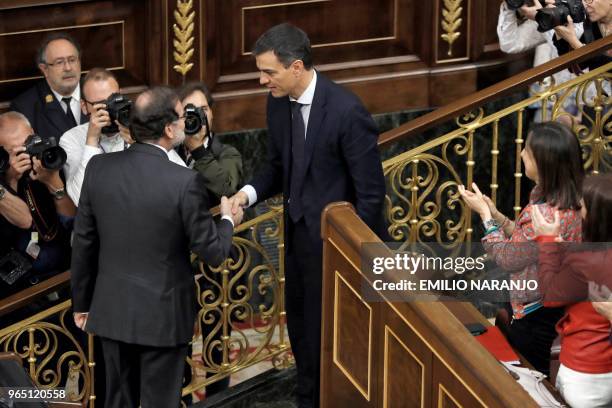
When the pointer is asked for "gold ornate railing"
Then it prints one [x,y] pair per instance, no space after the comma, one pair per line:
[423,205]
[242,316]
[53,356]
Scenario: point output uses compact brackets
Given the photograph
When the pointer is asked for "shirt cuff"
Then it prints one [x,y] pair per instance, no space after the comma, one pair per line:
[227,217]
[251,194]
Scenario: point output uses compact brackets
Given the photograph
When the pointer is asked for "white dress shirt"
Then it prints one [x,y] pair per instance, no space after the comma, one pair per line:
[75,103]
[79,153]
[305,100]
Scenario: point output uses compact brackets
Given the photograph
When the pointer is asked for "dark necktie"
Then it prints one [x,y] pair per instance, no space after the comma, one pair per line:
[69,114]
[298,142]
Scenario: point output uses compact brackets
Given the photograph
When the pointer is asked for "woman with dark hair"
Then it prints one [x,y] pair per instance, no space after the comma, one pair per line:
[552,159]
[585,373]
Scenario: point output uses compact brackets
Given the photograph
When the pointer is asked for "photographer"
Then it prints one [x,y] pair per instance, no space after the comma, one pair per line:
[103,133]
[41,243]
[220,164]
[518,32]
[598,24]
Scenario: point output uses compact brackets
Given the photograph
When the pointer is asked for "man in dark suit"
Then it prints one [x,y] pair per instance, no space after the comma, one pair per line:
[132,282]
[322,148]
[53,105]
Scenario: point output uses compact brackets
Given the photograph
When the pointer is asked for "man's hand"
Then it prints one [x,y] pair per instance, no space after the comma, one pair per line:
[97,121]
[48,177]
[194,141]
[530,11]
[238,201]
[80,320]
[568,33]
[227,209]
[125,134]
[19,163]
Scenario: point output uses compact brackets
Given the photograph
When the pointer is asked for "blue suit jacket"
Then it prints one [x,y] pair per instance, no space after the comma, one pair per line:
[342,161]
[43,110]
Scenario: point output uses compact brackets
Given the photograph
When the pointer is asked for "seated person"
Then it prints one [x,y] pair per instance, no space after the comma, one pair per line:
[220,164]
[46,243]
[14,215]
[585,374]
[97,136]
[52,104]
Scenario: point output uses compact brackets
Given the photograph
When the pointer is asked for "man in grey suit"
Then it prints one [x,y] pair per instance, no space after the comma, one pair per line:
[132,283]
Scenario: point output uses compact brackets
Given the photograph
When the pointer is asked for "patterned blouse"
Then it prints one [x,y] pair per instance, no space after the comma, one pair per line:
[518,253]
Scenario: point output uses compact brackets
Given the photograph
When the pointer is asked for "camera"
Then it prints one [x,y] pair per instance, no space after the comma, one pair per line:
[48,151]
[517,4]
[195,119]
[549,18]
[118,107]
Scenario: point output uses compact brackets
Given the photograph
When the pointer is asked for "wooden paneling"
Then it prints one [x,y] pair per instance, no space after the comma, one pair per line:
[352,335]
[386,51]
[422,354]
[112,34]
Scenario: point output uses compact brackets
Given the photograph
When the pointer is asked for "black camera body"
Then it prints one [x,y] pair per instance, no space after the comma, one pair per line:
[195,119]
[119,108]
[517,4]
[47,150]
[549,18]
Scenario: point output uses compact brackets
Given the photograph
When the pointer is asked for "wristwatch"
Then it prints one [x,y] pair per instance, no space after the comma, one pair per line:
[2,192]
[59,194]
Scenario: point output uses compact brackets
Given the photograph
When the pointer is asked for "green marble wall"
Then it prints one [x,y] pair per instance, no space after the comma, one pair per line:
[252,144]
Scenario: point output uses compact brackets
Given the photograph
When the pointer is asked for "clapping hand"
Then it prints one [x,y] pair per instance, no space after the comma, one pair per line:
[543,227]
[476,201]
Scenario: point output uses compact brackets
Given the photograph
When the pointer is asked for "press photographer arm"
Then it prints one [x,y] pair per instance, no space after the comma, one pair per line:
[54,183]
[14,209]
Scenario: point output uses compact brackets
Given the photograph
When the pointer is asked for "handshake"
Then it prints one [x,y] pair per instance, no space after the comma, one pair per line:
[233,207]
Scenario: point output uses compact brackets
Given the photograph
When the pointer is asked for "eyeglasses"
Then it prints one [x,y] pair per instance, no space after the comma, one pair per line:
[60,62]
[93,102]
[588,1]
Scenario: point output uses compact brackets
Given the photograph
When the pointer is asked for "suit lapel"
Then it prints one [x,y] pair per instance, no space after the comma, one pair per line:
[52,109]
[315,119]
[285,132]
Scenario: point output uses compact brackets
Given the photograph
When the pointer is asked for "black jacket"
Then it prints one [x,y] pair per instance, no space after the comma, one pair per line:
[44,111]
[139,216]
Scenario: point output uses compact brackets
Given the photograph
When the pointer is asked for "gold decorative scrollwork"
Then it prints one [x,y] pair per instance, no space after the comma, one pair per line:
[52,355]
[183,36]
[241,319]
[451,21]
[417,200]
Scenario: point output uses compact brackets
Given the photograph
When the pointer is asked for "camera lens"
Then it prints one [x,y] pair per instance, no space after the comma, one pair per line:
[549,18]
[53,158]
[192,124]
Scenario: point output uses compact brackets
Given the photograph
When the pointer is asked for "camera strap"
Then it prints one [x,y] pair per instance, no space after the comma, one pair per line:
[47,230]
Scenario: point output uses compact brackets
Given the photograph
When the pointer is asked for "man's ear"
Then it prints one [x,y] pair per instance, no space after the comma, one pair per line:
[297,67]
[43,68]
